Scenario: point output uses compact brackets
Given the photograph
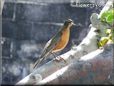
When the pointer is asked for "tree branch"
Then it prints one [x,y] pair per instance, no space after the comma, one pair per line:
[70,56]
[1,6]
[94,67]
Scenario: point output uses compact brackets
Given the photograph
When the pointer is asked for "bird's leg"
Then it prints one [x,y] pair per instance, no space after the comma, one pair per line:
[58,58]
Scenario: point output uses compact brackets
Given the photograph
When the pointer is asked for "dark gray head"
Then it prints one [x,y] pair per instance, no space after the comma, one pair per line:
[69,23]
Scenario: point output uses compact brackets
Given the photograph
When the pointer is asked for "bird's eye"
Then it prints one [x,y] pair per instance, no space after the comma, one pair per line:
[70,22]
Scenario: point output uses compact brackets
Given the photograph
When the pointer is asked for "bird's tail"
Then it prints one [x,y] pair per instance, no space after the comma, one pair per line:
[38,62]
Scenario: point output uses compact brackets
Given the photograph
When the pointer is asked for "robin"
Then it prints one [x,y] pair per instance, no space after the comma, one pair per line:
[58,42]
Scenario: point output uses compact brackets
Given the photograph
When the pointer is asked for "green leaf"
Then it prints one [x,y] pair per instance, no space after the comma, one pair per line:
[103,16]
[108,16]
[103,41]
[110,19]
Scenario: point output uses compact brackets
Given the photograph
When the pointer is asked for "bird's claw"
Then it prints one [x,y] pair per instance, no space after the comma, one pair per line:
[59,59]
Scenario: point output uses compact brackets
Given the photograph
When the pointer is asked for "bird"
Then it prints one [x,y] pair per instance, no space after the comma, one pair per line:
[58,42]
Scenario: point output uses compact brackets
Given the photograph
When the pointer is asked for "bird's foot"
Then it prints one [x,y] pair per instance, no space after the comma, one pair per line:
[58,59]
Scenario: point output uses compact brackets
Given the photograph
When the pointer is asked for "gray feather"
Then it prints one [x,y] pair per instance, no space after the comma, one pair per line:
[48,48]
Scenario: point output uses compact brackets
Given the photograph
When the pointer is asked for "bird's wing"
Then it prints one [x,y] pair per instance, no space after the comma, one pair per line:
[51,44]
[44,54]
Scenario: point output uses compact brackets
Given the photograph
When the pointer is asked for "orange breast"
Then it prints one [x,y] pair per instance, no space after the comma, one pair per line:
[63,42]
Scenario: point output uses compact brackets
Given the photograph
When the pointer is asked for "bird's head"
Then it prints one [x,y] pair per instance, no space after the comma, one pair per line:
[69,23]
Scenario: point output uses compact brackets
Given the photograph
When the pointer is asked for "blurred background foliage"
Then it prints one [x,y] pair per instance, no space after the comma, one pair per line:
[108,18]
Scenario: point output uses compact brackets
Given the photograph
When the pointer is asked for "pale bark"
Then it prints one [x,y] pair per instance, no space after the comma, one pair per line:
[1,6]
[93,68]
